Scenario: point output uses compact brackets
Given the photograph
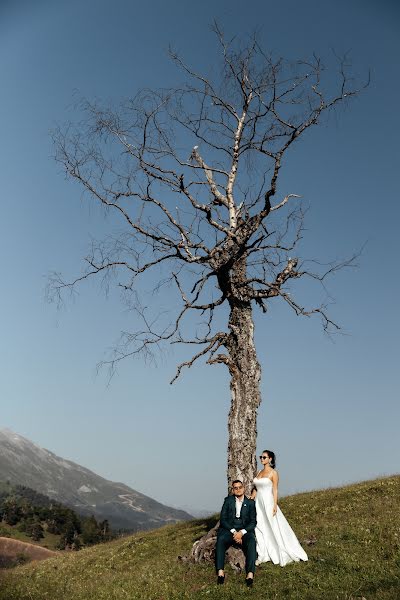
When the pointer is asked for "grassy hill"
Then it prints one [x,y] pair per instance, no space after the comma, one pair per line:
[14,552]
[352,538]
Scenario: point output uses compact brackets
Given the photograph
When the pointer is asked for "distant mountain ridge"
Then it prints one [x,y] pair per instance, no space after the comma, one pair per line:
[24,463]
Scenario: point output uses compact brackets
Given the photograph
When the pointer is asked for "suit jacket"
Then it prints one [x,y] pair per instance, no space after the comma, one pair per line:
[247,512]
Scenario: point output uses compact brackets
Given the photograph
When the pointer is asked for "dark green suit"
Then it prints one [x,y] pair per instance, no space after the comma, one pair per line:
[228,521]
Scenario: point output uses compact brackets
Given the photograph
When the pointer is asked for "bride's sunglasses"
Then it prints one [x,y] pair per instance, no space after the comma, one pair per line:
[264,457]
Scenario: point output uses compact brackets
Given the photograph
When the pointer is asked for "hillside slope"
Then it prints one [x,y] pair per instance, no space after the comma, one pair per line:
[24,463]
[12,551]
[351,534]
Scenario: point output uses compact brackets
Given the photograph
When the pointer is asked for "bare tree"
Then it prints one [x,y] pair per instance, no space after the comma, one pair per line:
[192,174]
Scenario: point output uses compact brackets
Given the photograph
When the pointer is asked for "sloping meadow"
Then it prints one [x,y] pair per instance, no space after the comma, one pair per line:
[351,535]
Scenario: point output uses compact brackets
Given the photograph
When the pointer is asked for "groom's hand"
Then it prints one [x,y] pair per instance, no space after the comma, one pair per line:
[238,537]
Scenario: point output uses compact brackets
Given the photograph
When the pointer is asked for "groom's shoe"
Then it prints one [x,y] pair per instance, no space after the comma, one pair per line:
[221,579]
[249,581]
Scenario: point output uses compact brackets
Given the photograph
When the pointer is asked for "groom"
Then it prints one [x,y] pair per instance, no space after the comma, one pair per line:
[237,525]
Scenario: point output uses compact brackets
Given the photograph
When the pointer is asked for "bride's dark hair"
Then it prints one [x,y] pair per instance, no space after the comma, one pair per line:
[272,457]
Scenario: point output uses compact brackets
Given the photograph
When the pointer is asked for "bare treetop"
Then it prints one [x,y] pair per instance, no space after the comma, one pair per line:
[192,174]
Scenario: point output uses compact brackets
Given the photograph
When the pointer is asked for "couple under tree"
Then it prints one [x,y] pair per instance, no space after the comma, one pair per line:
[256,524]
[193,173]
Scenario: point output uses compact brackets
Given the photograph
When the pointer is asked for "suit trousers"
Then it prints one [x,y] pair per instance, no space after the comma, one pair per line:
[248,545]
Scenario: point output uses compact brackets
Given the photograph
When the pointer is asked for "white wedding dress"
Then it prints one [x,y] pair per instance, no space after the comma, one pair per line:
[276,540]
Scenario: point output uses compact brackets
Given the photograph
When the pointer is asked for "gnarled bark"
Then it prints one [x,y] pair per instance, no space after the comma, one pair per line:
[245,395]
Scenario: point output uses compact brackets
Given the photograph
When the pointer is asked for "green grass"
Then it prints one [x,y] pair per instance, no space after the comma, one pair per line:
[356,555]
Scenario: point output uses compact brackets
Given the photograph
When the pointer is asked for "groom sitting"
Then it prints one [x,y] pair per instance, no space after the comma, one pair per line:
[237,525]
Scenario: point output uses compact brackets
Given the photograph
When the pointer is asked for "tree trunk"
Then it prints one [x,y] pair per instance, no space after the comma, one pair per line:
[245,373]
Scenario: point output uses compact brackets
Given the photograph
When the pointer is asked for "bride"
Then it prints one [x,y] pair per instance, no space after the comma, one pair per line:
[276,540]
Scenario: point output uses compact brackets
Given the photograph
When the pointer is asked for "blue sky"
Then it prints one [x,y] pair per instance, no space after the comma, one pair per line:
[330,408]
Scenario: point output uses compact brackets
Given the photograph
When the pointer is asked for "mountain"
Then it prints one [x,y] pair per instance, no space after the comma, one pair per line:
[24,463]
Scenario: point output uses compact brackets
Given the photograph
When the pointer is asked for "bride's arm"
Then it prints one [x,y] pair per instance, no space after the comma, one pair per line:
[254,489]
[275,480]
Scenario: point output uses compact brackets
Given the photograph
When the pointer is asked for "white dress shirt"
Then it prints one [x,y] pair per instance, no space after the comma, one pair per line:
[238,504]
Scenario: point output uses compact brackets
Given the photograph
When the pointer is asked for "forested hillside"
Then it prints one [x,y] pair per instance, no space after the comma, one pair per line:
[27,515]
